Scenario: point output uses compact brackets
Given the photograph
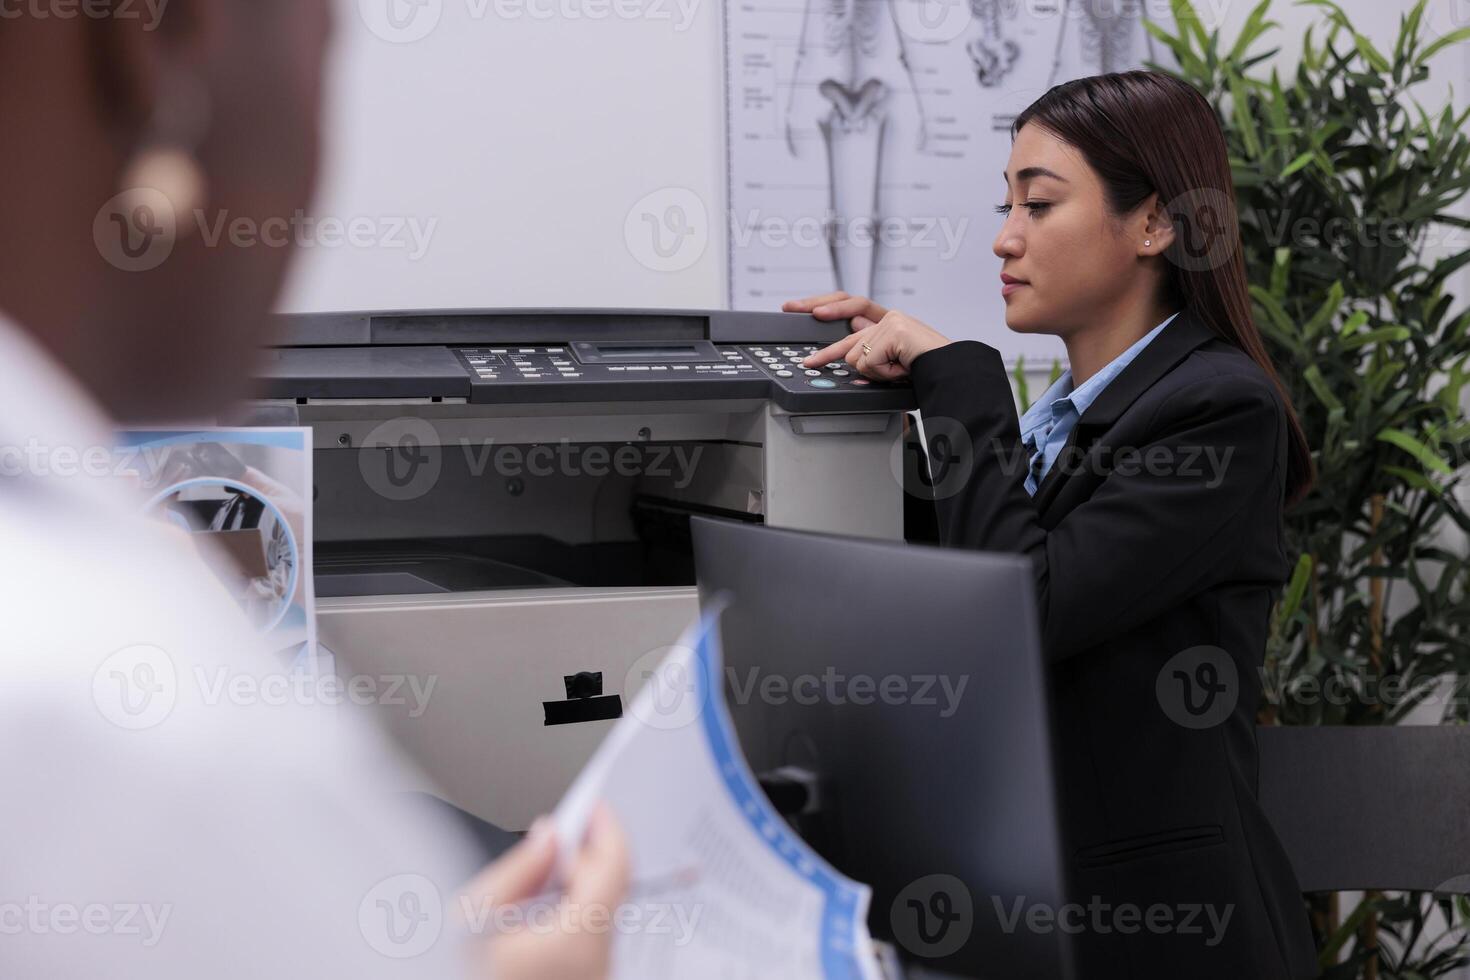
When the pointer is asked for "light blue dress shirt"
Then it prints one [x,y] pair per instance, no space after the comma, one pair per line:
[1049,421]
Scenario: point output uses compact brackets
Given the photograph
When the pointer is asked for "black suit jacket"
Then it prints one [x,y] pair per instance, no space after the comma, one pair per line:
[1157,540]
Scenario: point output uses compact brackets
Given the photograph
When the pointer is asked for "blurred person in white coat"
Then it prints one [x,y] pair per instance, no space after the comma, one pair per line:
[153,828]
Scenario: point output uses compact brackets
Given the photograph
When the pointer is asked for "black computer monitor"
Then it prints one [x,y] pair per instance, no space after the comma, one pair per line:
[909,682]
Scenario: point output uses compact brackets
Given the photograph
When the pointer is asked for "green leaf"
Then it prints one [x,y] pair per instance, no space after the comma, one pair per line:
[1374,57]
[1241,109]
[1325,312]
[1256,59]
[1353,323]
[1319,386]
[1309,54]
[1379,380]
[1454,37]
[1277,322]
[1255,25]
[1296,589]
[1377,336]
[1415,448]
[1280,267]
[1416,480]
[1338,17]
[1408,33]
[1301,161]
[1023,393]
[1194,69]
[1188,21]
[1445,268]
[1349,928]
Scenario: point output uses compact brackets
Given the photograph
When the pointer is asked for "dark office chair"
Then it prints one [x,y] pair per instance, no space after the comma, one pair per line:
[1383,808]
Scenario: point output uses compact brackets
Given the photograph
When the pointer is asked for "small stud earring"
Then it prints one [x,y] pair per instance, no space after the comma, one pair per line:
[165,163]
[171,171]
[1146,242]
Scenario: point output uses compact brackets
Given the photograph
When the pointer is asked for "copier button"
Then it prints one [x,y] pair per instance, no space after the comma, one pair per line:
[784,374]
[841,374]
[822,383]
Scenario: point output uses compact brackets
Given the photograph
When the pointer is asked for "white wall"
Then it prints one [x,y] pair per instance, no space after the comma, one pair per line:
[526,141]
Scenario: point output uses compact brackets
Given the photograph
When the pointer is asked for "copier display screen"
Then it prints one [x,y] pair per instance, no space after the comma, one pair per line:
[646,351]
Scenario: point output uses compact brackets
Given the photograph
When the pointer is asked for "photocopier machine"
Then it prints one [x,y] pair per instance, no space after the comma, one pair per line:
[502,501]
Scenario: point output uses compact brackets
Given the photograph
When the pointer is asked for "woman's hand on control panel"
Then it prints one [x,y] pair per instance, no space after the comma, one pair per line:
[883,344]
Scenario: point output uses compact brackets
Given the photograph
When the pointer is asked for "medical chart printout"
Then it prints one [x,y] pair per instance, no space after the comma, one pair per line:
[721,886]
[867,141]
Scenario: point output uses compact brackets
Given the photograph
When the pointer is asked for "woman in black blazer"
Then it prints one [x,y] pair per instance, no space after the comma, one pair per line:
[1151,503]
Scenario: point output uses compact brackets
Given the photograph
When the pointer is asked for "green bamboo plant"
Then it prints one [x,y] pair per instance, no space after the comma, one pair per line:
[1343,182]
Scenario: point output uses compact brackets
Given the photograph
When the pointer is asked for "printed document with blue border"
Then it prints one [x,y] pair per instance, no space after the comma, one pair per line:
[745,896]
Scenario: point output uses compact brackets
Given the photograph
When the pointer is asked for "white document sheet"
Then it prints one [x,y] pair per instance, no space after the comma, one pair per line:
[721,885]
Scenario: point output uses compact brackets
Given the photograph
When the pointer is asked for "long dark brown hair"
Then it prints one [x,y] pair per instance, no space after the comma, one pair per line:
[1145,132]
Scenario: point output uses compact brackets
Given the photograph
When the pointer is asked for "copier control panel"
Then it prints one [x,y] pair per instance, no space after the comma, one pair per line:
[699,370]
[581,356]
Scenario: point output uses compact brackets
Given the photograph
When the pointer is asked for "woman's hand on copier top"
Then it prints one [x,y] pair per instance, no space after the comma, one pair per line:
[884,342]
